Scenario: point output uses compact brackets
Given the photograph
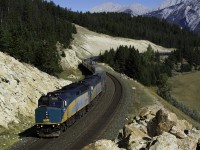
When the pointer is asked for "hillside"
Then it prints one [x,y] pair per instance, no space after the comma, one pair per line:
[20,88]
[87,43]
[30,30]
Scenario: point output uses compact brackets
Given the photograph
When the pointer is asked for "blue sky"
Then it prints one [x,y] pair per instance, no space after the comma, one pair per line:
[86,5]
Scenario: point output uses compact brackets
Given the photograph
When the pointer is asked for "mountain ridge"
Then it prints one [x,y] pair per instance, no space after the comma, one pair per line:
[133,9]
[185,13]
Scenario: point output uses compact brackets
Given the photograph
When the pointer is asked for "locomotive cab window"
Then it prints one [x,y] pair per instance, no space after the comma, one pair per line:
[43,101]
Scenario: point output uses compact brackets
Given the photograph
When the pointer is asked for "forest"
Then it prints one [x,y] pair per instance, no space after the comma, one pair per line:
[143,28]
[30,30]
[145,67]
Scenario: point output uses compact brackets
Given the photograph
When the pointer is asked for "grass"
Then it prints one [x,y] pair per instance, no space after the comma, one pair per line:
[186,89]
[140,96]
[65,74]
[175,110]
[10,136]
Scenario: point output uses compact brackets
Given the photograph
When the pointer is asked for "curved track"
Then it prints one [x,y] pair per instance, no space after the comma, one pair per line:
[87,129]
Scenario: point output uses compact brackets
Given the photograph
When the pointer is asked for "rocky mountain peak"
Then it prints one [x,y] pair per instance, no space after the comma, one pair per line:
[185,13]
[169,3]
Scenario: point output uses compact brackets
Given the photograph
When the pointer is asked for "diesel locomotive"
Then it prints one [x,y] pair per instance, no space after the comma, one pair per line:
[61,108]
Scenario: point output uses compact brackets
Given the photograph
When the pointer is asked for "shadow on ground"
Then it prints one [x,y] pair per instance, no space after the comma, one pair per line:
[30,132]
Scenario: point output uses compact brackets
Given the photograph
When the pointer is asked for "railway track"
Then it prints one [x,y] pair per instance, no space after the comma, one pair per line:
[88,128]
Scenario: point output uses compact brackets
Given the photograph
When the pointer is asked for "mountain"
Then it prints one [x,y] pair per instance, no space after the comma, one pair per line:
[185,13]
[134,9]
[169,3]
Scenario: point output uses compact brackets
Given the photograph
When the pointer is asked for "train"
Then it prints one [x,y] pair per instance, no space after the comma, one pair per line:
[60,109]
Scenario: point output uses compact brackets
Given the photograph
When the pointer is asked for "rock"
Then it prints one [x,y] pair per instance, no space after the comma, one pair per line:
[165,141]
[133,88]
[183,125]
[155,108]
[102,145]
[198,144]
[177,132]
[137,118]
[173,134]
[71,60]
[133,133]
[137,145]
[144,112]
[149,117]
[151,127]
[165,121]
[191,141]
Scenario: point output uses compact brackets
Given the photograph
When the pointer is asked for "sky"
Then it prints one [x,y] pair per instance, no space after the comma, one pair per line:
[87,5]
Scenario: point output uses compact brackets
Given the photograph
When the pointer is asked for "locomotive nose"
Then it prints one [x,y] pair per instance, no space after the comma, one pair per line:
[48,115]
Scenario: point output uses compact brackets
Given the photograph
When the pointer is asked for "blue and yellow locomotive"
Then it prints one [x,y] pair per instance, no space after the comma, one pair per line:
[59,109]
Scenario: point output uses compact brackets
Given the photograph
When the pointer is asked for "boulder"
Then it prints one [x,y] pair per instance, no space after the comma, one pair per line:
[165,121]
[183,125]
[166,141]
[177,132]
[144,112]
[102,145]
[138,145]
[191,141]
[155,108]
[132,133]
[149,117]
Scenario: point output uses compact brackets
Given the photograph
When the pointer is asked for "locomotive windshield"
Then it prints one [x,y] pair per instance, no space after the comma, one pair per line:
[50,102]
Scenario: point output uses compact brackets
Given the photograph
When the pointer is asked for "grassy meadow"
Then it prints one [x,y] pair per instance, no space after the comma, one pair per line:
[186,89]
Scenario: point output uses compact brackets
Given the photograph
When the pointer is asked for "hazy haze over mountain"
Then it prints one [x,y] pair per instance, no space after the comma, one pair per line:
[133,9]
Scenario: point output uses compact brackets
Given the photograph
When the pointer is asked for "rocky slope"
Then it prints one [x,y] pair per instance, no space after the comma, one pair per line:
[21,85]
[155,128]
[87,43]
[185,13]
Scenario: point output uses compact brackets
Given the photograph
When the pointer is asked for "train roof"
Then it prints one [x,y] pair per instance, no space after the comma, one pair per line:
[91,80]
[69,91]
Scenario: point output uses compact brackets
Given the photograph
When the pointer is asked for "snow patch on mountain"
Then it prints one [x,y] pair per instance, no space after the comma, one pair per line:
[169,3]
[107,7]
[133,9]
[185,13]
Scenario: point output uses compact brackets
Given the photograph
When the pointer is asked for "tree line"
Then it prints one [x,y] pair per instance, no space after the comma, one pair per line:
[145,67]
[30,29]
[143,28]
